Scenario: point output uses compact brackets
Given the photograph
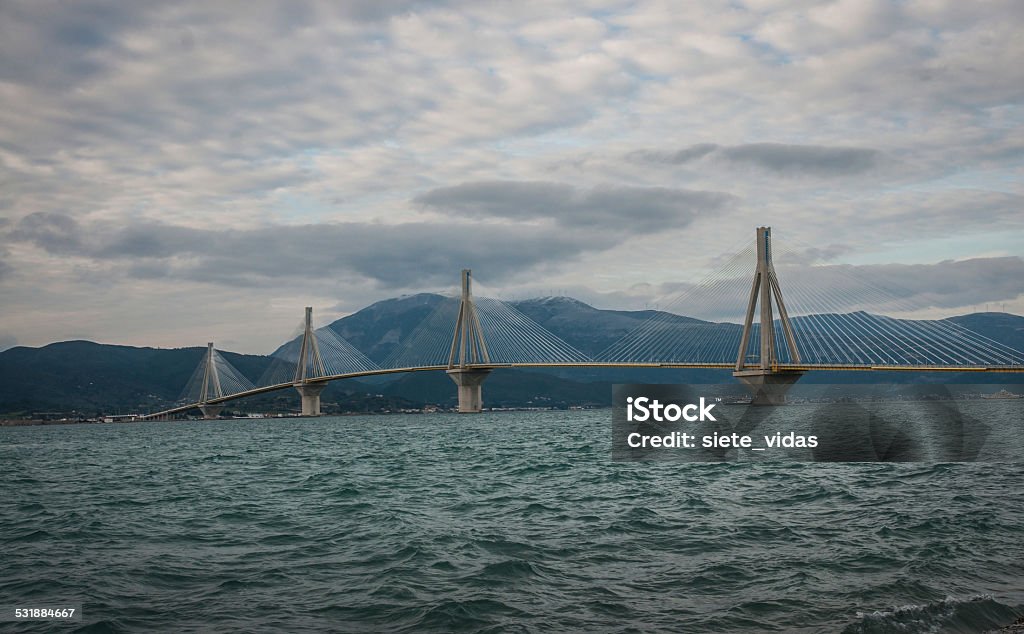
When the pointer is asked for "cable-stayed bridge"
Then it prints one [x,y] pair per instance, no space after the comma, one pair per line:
[812,326]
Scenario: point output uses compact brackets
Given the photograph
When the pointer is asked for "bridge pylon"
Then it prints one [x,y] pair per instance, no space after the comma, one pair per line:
[468,352]
[309,366]
[211,387]
[766,381]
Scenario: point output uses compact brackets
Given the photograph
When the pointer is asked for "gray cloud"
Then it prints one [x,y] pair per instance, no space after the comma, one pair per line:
[678,157]
[946,284]
[631,209]
[887,289]
[807,256]
[5,267]
[904,288]
[779,158]
[804,159]
[53,231]
[144,146]
[395,256]
[377,10]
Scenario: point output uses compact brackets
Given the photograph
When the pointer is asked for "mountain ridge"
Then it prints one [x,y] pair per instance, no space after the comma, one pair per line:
[81,374]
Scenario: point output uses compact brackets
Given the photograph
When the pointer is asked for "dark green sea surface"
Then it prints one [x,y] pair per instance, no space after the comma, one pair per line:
[500,522]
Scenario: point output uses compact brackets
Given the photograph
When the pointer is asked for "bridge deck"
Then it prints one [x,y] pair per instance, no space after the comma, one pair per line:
[591,364]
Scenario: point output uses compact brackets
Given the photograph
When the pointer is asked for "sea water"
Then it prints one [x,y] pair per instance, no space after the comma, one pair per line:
[503,521]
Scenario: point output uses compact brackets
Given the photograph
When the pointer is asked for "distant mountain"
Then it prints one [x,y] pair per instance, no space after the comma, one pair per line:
[586,328]
[93,377]
[378,328]
[1004,328]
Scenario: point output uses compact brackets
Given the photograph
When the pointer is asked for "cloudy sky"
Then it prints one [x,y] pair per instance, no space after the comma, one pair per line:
[172,173]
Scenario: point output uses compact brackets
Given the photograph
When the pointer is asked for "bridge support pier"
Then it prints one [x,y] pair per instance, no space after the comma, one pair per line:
[211,411]
[310,393]
[470,381]
[768,387]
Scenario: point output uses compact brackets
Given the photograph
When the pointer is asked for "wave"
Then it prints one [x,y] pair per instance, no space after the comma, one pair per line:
[979,613]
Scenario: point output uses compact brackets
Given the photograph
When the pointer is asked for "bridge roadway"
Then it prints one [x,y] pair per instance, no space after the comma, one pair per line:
[587,364]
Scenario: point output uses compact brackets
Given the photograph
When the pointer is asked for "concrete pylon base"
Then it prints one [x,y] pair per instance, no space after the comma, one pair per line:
[211,411]
[471,400]
[768,387]
[310,393]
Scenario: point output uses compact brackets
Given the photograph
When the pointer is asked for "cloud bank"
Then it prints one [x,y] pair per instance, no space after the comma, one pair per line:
[202,155]
[777,158]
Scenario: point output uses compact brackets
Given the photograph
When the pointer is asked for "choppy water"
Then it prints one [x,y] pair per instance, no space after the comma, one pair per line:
[498,522]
